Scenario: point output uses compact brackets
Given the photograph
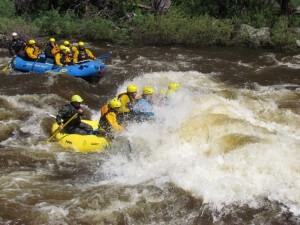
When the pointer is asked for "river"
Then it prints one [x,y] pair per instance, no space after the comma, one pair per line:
[222,150]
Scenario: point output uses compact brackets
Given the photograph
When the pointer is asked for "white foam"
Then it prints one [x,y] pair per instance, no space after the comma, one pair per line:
[237,150]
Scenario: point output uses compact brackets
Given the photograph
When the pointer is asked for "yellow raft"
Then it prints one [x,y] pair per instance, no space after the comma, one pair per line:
[82,143]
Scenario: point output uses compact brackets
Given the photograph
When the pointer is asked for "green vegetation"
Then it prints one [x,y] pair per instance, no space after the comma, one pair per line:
[188,22]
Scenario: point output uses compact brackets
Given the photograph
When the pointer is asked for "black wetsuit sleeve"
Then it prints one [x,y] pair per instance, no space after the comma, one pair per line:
[62,113]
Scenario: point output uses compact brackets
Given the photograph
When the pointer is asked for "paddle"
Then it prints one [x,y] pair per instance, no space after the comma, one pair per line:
[6,67]
[57,130]
[105,56]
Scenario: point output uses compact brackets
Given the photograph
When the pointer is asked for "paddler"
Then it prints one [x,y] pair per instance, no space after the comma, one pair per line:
[173,87]
[143,107]
[17,46]
[32,52]
[72,48]
[62,58]
[51,50]
[82,53]
[128,99]
[109,118]
[75,126]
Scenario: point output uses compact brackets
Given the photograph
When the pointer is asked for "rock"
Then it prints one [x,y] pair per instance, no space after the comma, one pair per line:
[295,31]
[298,43]
[258,37]
[4,41]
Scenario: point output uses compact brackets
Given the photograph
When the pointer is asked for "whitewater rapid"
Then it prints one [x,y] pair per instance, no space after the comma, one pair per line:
[227,146]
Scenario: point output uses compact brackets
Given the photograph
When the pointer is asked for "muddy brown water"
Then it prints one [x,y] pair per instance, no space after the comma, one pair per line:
[223,150]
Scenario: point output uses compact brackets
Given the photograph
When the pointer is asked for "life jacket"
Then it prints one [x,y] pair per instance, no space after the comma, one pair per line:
[63,58]
[82,55]
[70,55]
[104,109]
[55,49]
[104,124]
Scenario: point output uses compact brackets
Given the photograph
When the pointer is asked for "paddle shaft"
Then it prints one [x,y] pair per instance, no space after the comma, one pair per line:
[6,67]
[65,124]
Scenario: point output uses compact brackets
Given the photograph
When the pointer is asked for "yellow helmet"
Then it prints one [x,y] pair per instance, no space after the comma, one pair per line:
[132,88]
[68,49]
[148,90]
[62,48]
[76,98]
[52,40]
[80,43]
[66,43]
[31,42]
[114,103]
[174,86]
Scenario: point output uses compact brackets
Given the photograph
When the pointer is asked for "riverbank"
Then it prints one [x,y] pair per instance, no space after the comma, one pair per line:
[173,28]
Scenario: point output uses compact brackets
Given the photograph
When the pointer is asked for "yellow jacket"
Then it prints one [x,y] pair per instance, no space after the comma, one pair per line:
[61,59]
[32,52]
[109,120]
[124,99]
[81,55]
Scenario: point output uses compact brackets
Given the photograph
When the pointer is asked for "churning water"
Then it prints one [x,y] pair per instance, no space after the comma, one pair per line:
[222,150]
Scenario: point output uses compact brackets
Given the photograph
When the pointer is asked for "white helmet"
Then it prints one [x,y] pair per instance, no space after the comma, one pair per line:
[14,34]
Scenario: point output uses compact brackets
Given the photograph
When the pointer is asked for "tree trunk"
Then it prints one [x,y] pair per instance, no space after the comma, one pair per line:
[285,7]
[160,6]
[222,8]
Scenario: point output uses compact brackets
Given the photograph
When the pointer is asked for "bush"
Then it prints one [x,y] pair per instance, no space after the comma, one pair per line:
[52,23]
[175,28]
[24,28]
[96,28]
[281,36]
[7,9]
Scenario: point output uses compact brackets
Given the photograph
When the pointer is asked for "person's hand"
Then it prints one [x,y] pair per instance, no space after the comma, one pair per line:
[14,56]
[80,111]
[60,127]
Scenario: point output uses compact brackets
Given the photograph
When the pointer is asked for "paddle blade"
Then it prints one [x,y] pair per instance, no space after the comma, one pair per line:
[105,56]
[4,69]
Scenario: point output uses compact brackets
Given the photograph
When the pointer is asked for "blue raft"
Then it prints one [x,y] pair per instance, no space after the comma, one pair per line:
[81,69]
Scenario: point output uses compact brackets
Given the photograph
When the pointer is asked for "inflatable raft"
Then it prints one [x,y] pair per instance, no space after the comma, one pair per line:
[81,69]
[82,143]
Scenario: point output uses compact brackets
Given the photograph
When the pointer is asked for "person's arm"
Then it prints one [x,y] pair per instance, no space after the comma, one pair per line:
[112,120]
[76,56]
[29,52]
[37,52]
[57,60]
[61,114]
[90,54]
